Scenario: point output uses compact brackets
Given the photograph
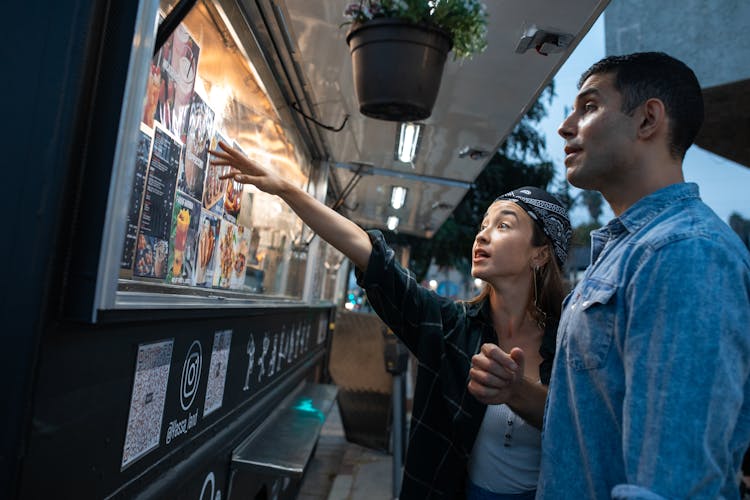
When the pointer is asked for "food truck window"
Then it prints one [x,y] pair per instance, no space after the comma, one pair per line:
[188,233]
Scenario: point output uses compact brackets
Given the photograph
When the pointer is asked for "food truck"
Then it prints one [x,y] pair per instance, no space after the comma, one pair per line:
[166,332]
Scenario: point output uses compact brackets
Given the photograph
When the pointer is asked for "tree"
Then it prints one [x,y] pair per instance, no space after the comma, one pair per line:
[520,161]
[593,202]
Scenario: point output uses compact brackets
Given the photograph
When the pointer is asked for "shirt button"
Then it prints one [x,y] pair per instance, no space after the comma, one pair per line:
[585,303]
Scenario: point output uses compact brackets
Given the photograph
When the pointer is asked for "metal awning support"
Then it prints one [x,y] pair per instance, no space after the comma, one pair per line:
[170,23]
[364,169]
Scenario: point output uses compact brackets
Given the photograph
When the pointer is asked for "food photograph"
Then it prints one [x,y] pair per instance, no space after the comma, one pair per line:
[195,156]
[215,187]
[181,265]
[208,238]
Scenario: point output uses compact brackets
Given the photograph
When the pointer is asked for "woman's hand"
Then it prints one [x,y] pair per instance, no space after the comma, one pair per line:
[246,171]
[333,227]
[496,376]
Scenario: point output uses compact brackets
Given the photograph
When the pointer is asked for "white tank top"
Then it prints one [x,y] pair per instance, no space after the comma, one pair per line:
[506,453]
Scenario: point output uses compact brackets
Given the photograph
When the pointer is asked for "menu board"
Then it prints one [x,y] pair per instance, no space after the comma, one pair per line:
[185,224]
[143,150]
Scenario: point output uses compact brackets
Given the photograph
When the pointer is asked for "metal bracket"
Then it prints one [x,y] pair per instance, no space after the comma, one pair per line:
[544,41]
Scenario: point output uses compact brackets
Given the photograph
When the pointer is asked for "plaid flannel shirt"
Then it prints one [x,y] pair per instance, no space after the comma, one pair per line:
[443,334]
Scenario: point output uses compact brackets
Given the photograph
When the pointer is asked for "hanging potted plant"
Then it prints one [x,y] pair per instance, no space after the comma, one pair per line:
[399,49]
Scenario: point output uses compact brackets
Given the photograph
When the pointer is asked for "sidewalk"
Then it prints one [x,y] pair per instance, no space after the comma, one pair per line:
[340,470]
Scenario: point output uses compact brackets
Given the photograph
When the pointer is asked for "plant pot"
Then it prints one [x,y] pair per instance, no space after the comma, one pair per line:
[397,67]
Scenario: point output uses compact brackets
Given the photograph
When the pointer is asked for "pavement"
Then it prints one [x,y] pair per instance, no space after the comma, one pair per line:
[340,470]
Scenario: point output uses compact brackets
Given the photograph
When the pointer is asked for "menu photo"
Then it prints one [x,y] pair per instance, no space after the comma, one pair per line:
[150,257]
[195,154]
[154,83]
[208,237]
[178,58]
[215,187]
[183,238]
[245,216]
[224,260]
[241,249]
[143,151]
[232,200]
[152,244]
[233,196]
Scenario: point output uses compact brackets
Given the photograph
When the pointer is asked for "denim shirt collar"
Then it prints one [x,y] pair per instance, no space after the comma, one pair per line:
[641,213]
[644,210]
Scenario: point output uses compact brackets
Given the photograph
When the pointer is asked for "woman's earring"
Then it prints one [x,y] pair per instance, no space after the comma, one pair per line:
[541,316]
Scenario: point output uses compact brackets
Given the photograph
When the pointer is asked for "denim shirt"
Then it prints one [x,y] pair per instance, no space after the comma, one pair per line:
[649,395]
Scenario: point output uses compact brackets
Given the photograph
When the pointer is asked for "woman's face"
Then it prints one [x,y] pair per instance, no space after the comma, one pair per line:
[502,248]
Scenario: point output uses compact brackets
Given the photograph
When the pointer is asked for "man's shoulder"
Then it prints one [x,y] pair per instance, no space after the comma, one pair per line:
[692,223]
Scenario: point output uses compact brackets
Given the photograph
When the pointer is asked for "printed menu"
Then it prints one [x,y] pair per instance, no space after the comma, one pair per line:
[143,149]
[156,216]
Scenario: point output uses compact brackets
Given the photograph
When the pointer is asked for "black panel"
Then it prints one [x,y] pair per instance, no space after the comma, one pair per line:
[86,381]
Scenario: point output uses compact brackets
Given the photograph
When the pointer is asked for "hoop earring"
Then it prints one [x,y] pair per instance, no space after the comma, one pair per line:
[541,316]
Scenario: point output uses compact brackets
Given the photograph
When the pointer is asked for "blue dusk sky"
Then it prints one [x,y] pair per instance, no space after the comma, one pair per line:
[724,185]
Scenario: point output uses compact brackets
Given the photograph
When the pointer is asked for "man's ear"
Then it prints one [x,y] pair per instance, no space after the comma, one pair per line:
[652,119]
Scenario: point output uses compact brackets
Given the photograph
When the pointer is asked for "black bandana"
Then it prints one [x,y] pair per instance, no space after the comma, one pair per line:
[549,214]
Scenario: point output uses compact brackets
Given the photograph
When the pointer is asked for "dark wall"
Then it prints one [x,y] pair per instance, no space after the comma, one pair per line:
[51,54]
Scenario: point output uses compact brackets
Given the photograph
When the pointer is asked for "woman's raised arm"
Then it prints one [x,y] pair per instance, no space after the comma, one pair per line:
[337,230]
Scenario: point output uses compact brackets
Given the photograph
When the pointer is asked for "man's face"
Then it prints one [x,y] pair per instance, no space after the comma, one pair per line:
[599,137]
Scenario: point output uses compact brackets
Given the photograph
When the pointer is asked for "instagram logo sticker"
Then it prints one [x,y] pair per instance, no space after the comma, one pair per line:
[191,374]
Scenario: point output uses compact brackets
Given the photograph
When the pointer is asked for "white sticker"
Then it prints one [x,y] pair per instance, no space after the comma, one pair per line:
[217,371]
[147,400]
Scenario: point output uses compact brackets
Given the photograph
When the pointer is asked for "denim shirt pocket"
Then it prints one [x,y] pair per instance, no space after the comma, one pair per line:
[591,328]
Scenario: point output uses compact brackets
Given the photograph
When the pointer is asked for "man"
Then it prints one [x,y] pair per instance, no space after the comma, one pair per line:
[649,395]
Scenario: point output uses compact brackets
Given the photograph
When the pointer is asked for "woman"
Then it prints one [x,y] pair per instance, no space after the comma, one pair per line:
[520,245]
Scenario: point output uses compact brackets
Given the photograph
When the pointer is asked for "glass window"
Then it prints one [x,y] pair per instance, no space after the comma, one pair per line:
[188,231]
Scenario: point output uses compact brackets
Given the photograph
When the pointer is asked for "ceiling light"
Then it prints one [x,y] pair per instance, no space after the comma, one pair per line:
[398,196]
[407,141]
[392,223]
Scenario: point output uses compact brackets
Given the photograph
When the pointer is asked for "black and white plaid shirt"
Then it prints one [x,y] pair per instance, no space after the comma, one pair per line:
[443,334]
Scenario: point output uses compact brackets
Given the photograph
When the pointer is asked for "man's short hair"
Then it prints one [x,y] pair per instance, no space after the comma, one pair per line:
[645,75]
